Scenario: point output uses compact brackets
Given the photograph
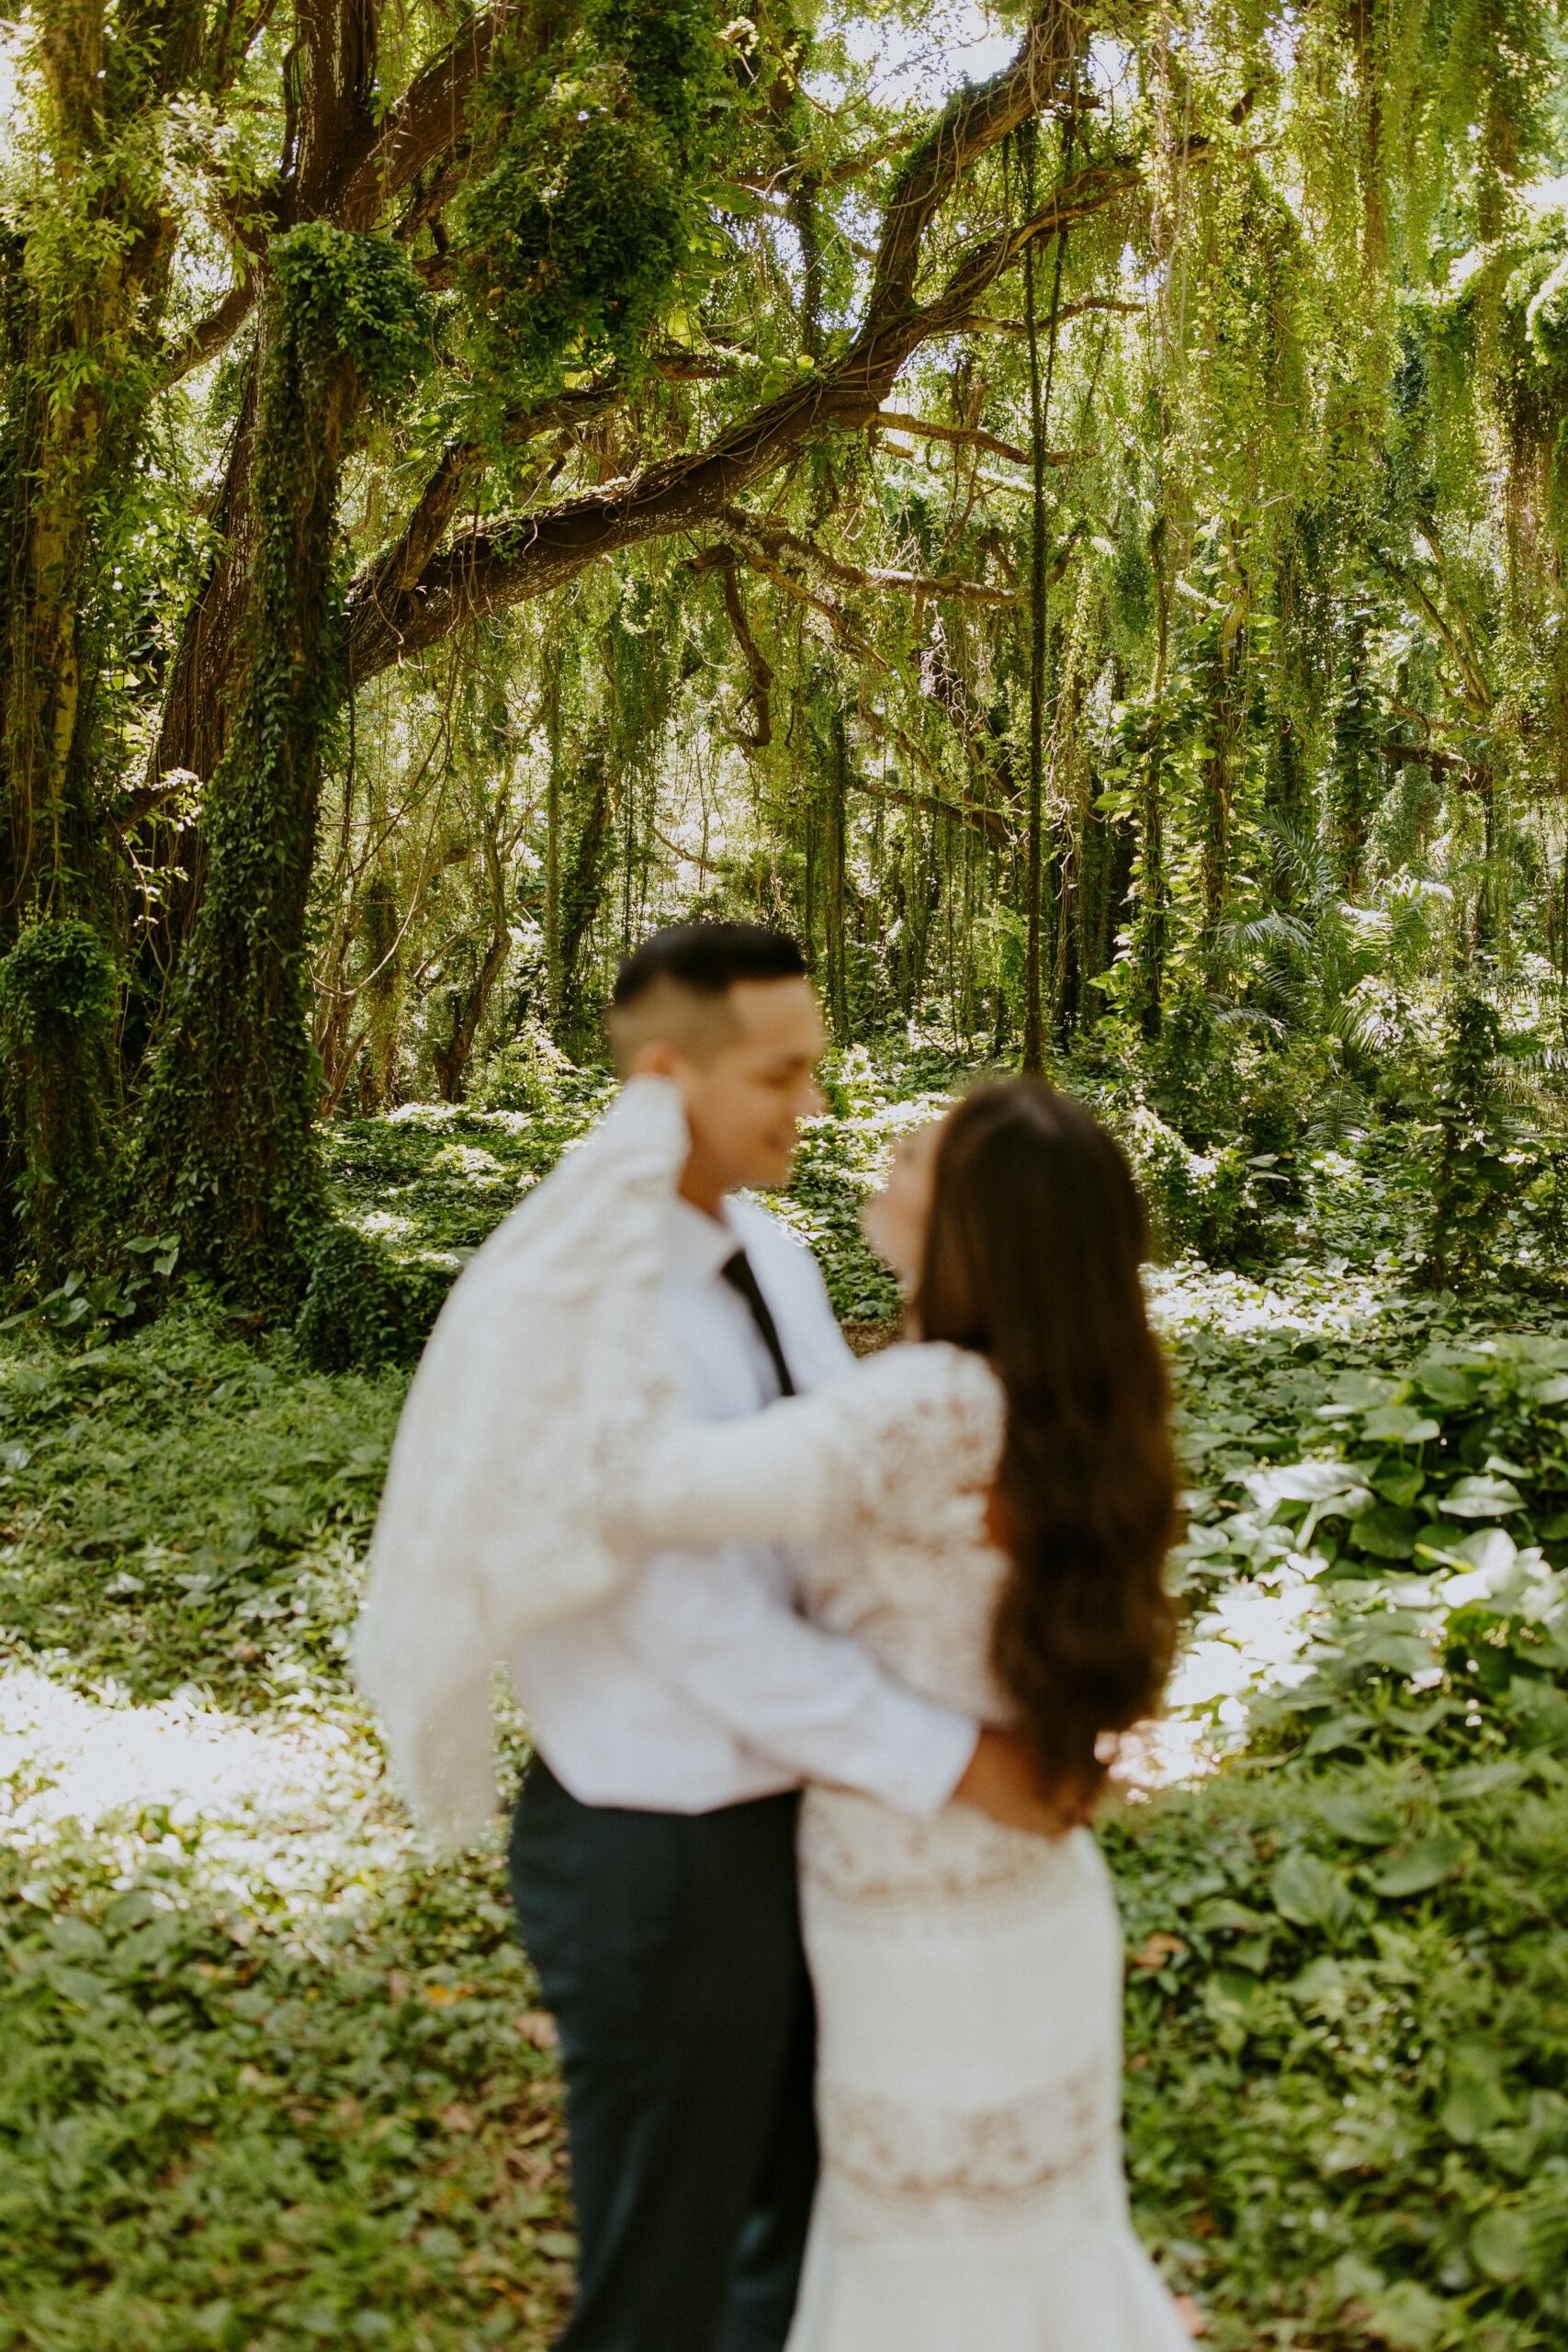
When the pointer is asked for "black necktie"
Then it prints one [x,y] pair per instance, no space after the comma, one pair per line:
[736,1273]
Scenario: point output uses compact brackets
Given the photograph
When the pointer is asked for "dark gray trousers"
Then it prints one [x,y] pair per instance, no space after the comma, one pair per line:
[668,1947]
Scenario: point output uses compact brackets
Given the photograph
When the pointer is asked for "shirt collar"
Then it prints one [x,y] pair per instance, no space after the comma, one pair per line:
[699,1244]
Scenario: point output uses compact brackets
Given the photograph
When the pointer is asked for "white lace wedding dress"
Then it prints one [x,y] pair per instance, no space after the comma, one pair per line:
[968,1978]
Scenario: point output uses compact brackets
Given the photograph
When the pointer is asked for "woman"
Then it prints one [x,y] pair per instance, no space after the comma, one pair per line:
[990,1508]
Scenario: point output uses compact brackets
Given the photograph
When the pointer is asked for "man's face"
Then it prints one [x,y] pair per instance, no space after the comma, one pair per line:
[745,1100]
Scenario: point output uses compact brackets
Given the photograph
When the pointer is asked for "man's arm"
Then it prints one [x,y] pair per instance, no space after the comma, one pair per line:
[815,1703]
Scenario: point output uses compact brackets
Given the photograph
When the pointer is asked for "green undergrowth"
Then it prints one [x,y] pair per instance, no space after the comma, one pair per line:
[269,2081]
[231,2121]
[179,1508]
[1348,1999]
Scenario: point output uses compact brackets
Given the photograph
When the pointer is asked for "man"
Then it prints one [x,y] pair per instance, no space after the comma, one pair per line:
[652,1855]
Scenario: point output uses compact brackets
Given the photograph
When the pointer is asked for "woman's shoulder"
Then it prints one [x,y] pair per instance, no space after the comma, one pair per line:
[929,1381]
[912,1434]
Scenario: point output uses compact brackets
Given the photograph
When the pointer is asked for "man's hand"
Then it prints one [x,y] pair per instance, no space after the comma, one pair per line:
[1004,1781]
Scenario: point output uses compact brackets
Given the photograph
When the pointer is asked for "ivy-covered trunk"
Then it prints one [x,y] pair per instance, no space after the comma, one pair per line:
[56,921]
[582,888]
[83,268]
[227,1142]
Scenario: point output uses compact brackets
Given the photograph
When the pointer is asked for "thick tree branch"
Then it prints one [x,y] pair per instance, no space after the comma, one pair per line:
[368,164]
[1424,755]
[968,436]
[430,118]
[460,466]
[983,323]
[209,334]
[962,436]
[509,562]
[976,119]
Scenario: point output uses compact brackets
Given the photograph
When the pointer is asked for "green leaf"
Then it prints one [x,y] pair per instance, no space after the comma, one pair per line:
[132,1909]
[1406,1653]
[1227,1991]
[1450,1386]
[1482,1780]
[1360,1391]
[1402,1424]
[1320,1986]
[1358,1818]
[76,1938]
[78,1985]
[1339,1731]
[1500,2244]
[1422,1865]
[1232,2003]
[1477,2098]
[1490,1550]
[1302,1482]
[1355,2281]
[1481,1498]
[1387,1533]
[1221,1913]
[1310,1893]
[1407,2317]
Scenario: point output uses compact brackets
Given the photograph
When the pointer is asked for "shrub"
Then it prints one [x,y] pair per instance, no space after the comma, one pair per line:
[362,1310]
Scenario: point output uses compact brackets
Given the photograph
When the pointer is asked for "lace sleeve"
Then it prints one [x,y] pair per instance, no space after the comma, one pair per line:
[921,1428]
[765,1479]
[879,1449]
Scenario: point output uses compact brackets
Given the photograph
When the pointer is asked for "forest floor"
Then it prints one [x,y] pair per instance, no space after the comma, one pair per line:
[269,2079]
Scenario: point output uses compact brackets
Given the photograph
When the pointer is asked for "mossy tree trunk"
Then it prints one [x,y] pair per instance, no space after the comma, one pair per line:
[227,1150]
[57,994]
[84,275]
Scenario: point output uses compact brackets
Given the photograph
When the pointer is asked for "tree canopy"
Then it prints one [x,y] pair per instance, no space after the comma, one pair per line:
[1064,509]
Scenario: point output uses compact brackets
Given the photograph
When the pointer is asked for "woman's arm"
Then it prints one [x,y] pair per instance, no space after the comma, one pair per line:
[767,1479]
[888,1444]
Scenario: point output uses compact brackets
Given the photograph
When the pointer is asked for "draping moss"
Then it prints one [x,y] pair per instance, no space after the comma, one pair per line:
[572,237]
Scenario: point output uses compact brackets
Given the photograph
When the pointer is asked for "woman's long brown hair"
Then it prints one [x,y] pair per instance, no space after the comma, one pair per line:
[1036,1237]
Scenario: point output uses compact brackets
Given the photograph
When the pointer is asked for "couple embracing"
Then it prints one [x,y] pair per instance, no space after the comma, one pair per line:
[841,2069]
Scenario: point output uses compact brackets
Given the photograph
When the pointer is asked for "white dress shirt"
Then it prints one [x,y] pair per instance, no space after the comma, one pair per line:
[699,1684]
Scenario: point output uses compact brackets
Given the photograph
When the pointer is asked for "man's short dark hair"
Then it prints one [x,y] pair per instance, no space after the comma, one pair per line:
[709,958]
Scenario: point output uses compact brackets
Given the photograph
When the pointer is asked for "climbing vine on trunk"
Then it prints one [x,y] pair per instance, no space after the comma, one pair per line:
[227,1151]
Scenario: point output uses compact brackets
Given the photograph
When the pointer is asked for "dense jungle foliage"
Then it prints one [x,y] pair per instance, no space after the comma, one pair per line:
[1064,510]
[1067,512]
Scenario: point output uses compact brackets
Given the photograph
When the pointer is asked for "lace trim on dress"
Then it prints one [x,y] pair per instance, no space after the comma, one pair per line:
[866,1856]
[1030,2149]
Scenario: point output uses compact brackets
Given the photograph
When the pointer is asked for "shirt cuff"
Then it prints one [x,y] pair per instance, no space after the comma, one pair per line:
[920,1770]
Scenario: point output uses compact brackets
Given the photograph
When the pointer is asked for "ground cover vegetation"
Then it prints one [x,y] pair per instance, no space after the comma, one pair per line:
[1065,511]
[272,2079]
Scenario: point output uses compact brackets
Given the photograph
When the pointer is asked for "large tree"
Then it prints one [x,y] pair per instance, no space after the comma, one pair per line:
[1012,504]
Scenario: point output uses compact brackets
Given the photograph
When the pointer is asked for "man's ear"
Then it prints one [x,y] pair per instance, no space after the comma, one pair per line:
[657,1058]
